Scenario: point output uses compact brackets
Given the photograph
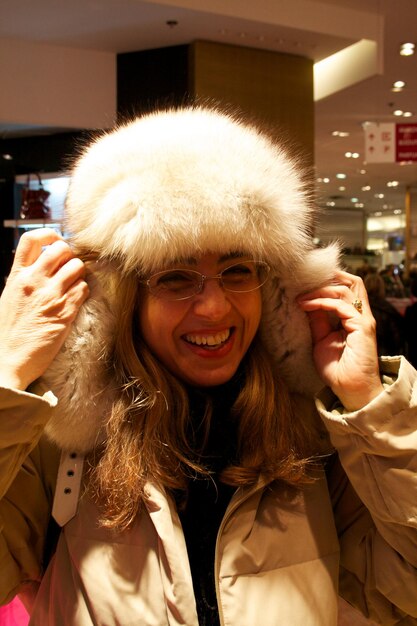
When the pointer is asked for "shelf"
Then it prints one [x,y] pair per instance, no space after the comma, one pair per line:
[31,223]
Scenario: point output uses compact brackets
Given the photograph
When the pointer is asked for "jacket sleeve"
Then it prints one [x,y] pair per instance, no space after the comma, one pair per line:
[375,497]
[26,477]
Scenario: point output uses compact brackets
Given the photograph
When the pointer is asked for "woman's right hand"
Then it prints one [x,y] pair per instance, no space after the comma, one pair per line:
[41,299]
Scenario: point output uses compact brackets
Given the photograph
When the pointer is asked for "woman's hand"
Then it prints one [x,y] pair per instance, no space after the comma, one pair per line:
[41,299]
[344,340]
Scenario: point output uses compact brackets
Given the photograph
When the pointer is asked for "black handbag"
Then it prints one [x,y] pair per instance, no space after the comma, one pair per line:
[34,204]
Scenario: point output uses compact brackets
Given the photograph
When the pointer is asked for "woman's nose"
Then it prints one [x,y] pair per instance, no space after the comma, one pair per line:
[212,302]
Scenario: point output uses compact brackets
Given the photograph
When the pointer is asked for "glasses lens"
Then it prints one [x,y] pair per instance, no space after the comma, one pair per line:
[245,276]
[175,284]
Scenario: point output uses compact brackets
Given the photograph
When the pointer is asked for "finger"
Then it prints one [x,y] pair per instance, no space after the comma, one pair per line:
[344,309]
[352,295]
[320,325]
[53,257]
[354,283]
[71,272]
[30,245]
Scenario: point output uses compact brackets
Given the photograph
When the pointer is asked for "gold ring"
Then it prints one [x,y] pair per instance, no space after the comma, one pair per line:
[358,305]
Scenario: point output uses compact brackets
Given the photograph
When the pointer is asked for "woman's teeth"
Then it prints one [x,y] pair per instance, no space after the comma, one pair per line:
[209,340]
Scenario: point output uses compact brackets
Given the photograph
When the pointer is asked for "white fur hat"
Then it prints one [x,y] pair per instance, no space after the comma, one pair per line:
[171,185]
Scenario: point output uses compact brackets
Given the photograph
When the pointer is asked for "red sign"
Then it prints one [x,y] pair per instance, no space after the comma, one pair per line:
[406,142]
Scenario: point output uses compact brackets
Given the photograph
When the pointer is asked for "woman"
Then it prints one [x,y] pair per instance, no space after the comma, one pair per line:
[196,482]
[390,325]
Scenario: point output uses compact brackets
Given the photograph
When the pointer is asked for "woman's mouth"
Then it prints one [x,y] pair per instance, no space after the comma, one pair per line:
[209,341]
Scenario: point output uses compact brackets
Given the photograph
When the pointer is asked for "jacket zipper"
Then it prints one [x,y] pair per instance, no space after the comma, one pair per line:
[236,501]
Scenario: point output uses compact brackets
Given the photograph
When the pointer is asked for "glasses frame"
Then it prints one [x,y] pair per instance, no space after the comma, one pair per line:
[203,278]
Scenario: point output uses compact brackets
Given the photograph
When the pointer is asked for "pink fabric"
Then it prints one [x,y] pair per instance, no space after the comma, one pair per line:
[14,614]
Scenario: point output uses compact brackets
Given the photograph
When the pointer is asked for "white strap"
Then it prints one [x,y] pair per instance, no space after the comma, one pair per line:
[67,487]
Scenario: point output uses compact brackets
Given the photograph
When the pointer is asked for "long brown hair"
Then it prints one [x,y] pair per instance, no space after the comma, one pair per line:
[147,429]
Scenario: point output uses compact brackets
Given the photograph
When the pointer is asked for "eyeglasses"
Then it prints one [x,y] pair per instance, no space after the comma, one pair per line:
[180,284]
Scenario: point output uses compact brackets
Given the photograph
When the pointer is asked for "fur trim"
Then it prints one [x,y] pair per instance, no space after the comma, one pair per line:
[172,185]
[79,377]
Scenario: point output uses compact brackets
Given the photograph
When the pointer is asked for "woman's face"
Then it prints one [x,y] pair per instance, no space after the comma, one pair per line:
[203,339]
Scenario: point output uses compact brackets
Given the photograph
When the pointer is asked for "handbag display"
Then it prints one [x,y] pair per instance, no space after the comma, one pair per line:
[34,204]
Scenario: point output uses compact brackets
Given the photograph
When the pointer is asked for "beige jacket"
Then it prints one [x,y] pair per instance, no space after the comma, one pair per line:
[281,555]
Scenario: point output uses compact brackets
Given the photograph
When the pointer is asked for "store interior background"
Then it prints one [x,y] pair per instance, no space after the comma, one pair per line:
[59,65]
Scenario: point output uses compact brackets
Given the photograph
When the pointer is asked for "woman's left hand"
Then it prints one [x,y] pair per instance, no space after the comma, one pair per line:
[344,339]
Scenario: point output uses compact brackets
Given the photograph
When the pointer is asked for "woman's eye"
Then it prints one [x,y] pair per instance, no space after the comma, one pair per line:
[237,272]
[175,280]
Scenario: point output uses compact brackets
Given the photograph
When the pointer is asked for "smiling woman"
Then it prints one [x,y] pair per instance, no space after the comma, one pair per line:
[160,381]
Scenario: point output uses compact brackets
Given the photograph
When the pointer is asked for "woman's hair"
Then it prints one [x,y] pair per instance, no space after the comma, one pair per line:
[374,285]
[147,430]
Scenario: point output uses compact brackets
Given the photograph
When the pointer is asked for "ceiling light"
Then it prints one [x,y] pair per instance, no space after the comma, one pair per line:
[392,183]
[355,155]
[398,85]
[379,195]
[342,188]
[397,211]
[362,171]
[348,155]
[7,157]
[366,188]
[340,133]
[407,114]
[354,200]
[331,203]
[378,214]
[340,175]
[398,112]
[407,49]
[326,180]
[359,205]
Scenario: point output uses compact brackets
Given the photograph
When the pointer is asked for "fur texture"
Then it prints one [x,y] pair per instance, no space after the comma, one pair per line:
[172,185]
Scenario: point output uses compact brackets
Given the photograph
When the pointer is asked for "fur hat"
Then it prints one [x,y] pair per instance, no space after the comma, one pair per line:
[170,185]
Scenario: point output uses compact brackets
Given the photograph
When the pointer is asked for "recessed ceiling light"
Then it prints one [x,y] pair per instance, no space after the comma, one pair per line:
[7,157]
[397,211]
[398,85]
[392,183]
[407,114]
[379,195]
[378,213]
[398,112]
[362,171]
[348,155]
[366,188]
[331,203]
[407,49]
[359,205]
[340,133]
[340,175]
[342,188]
[354,200]
[326,180]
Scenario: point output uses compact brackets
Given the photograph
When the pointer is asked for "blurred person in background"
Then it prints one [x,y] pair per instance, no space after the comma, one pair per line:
[390,331]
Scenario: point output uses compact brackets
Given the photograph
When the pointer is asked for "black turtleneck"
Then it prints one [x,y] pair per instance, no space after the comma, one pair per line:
[207,498]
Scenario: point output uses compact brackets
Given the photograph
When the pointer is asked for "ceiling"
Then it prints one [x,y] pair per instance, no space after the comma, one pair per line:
[312,28]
